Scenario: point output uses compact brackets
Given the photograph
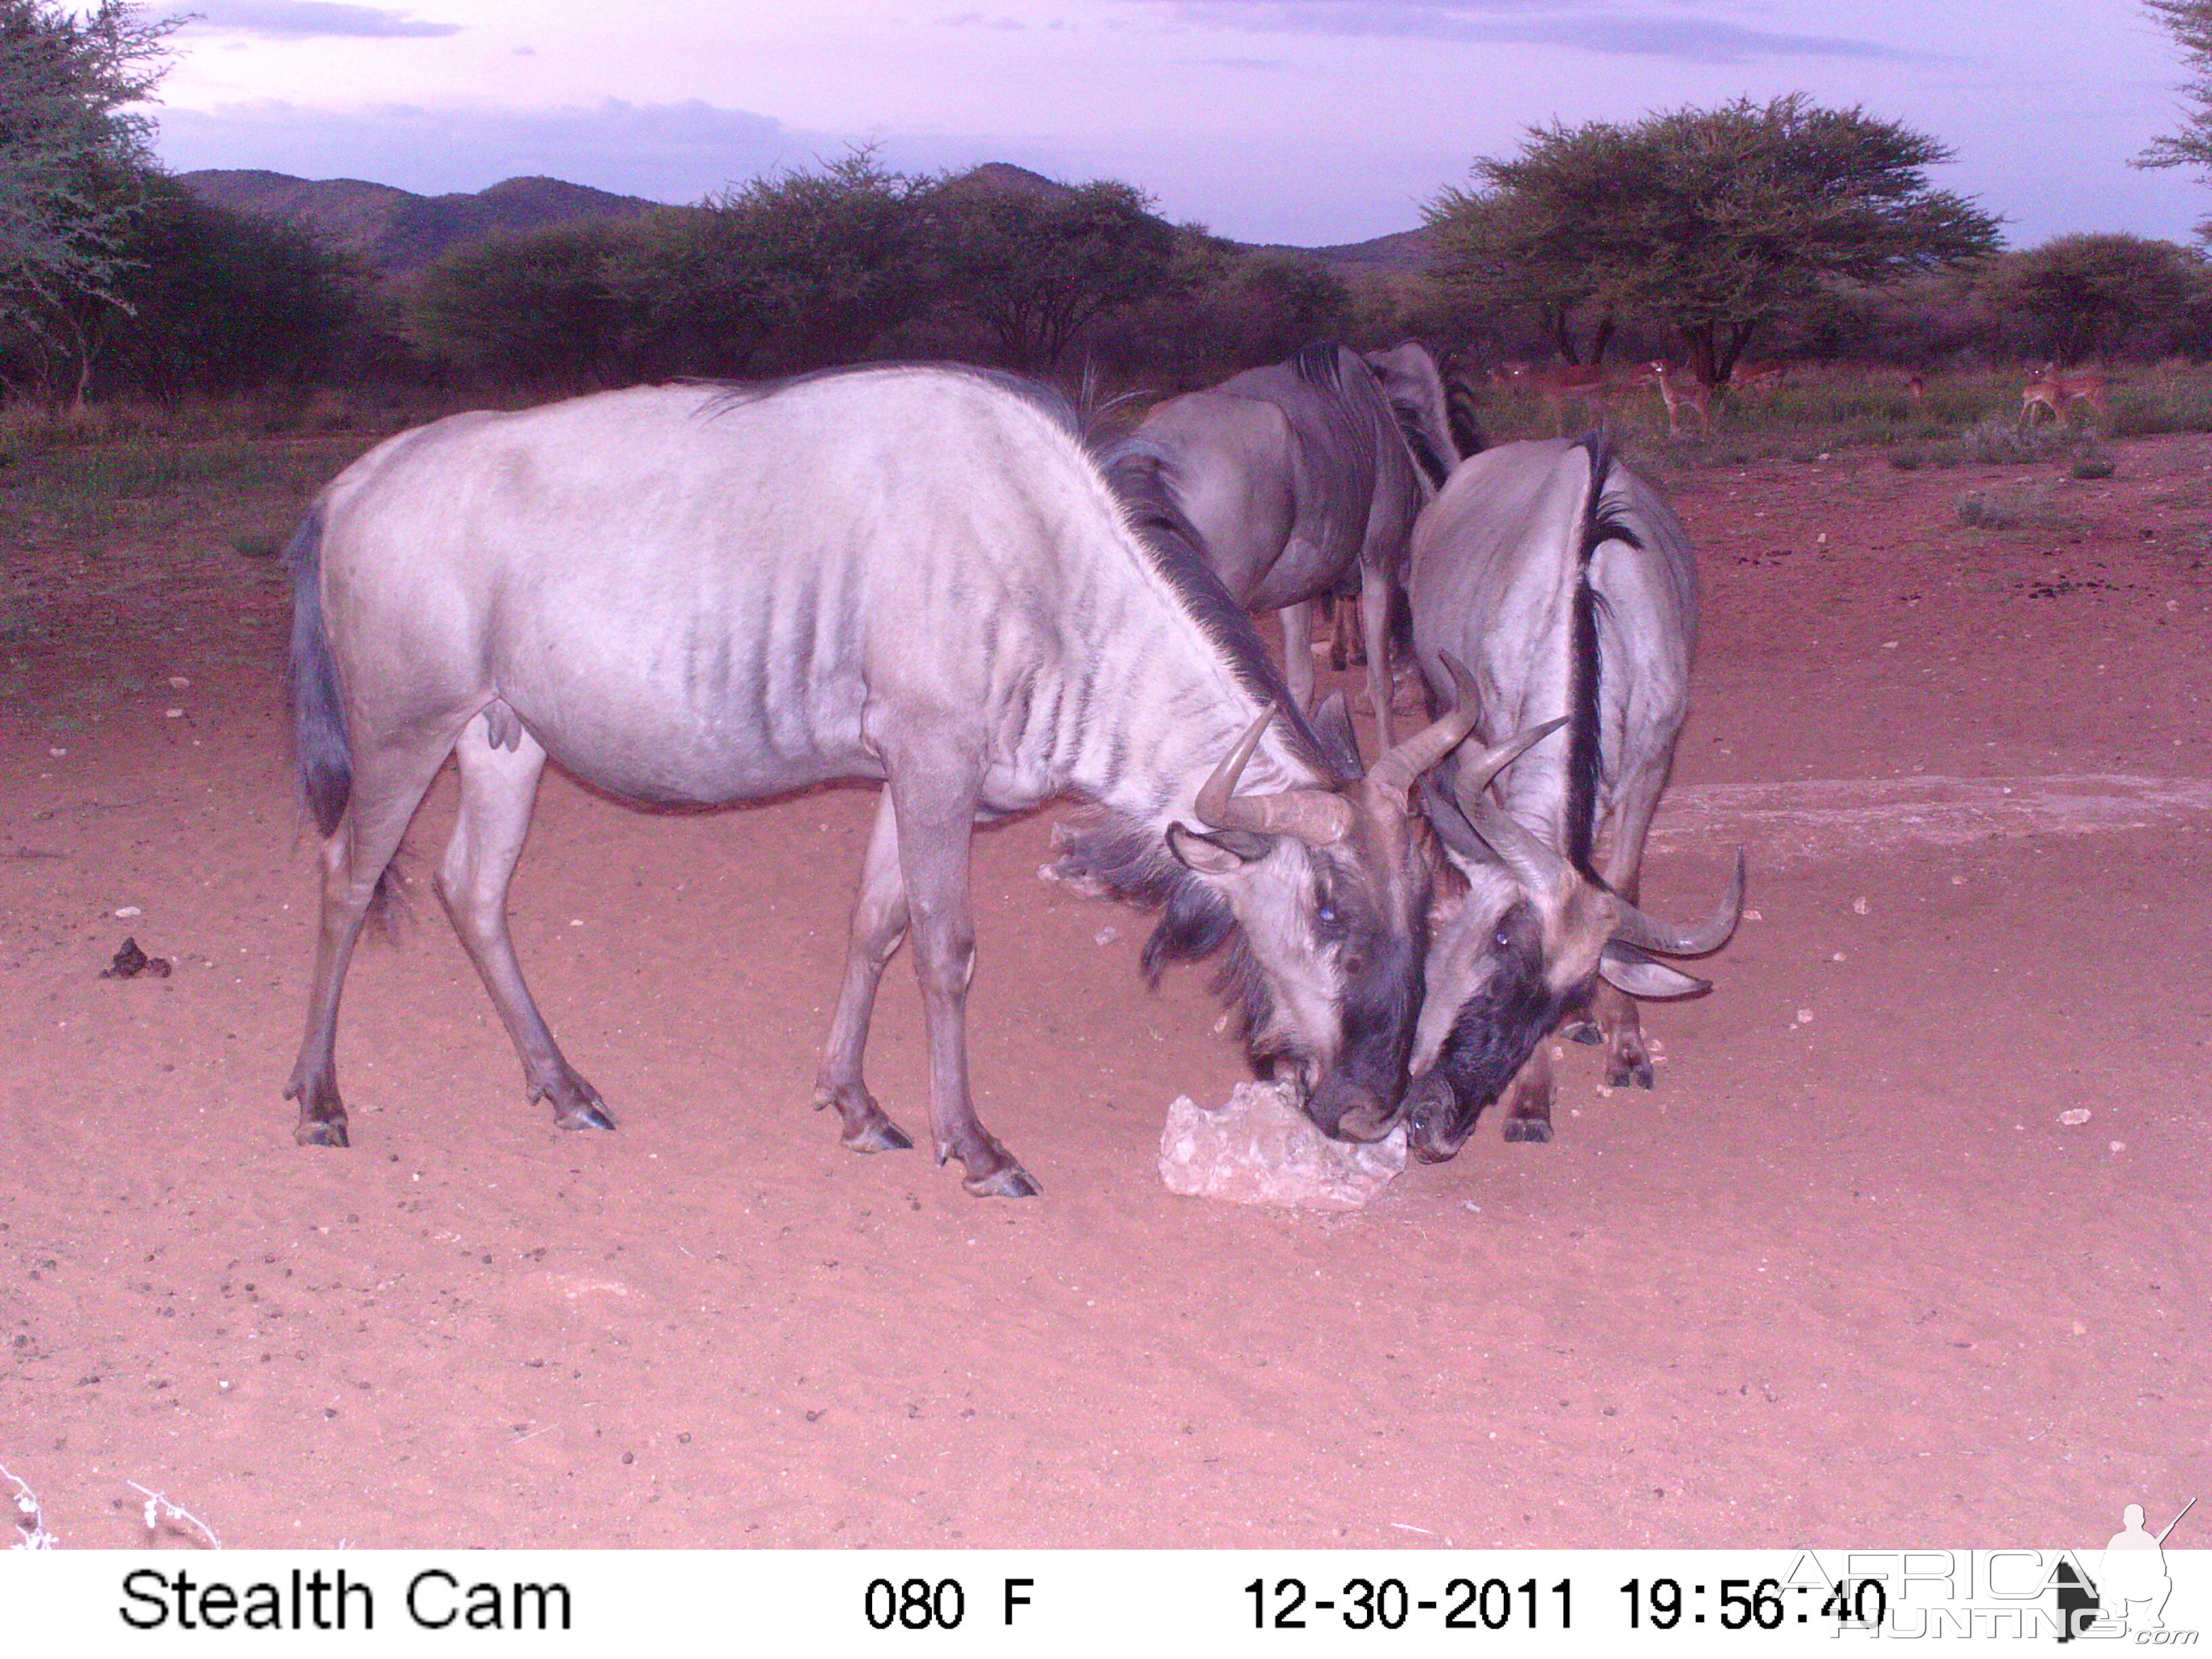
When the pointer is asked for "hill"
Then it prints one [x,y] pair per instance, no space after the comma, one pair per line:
[395,230]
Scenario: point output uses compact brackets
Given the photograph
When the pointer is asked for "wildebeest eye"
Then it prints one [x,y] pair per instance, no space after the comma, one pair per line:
[1503,939]
[1323,913]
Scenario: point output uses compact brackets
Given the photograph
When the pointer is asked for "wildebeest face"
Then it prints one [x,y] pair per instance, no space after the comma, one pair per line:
[1505,965]
[1328,971]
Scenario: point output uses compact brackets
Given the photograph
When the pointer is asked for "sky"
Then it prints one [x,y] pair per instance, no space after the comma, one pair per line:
[1307,122]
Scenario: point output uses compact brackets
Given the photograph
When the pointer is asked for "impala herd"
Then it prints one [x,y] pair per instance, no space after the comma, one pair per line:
[1593,390]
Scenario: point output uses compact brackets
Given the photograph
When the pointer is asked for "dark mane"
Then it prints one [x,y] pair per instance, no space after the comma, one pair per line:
[1142,479]
[1321,363]
[1418,445]
[1603,522]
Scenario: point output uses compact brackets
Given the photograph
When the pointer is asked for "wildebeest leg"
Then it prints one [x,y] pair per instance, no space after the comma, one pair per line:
[1298,652]
[1619,1024]
[388,784]
[933,790]
[879,921]
[1528,1098]
[499,787]
[1374,620]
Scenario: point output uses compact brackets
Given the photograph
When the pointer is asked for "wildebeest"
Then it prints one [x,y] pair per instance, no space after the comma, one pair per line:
[1301,475]
[692,594]
[1568,586]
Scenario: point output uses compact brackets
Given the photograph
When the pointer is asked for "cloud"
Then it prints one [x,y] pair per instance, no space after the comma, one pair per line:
[302,20]
[1598,26]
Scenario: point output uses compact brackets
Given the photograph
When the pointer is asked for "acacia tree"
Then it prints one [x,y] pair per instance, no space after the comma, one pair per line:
[2190,23]
[2095,294]
[73,154]
[1036,265]
[1709,224]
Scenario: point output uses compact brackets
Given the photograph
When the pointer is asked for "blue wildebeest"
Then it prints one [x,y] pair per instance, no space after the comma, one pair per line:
[1304,476]
[1568,585]
[690,594]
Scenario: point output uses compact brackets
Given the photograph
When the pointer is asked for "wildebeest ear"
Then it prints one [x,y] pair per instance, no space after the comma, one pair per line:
[1632,971]
[1331,723]
[1222,852]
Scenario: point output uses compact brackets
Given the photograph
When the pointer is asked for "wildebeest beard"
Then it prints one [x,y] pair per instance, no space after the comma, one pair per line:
[1382,989]
[1496,1029]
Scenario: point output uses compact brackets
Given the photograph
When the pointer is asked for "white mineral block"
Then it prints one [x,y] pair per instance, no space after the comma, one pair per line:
[1257,1147]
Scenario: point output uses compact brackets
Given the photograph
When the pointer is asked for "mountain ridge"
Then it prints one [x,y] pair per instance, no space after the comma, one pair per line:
[398,231]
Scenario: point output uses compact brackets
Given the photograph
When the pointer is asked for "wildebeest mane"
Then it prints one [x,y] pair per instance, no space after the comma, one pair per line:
[1417,445]
[1603,520]
[1459,413]
[1141,476]
[1320,363]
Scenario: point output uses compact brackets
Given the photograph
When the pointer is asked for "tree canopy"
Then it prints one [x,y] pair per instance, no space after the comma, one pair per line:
[2097,294]
[1711,225]
[73,153]
[2190,23]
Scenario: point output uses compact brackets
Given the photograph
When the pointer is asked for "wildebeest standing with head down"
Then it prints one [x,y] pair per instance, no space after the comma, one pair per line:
[693,594]
[1304,476]
[1567,584]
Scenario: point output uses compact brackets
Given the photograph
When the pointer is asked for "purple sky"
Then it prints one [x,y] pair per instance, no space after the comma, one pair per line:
[1305,121]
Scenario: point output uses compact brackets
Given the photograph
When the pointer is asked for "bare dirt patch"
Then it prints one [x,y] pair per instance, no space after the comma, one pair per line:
[1843,1278]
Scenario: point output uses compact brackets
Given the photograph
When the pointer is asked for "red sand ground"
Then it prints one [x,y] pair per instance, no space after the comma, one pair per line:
[1843,1278]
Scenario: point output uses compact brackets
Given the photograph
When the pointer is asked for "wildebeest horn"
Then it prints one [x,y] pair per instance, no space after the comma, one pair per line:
[1316,816]
[1536,865]
[1397,772]
[1632,926]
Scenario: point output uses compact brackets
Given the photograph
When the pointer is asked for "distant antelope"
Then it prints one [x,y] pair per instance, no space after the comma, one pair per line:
[1757,376]
[1678,395]
[2058,393]
[1589,384]
[1915,387]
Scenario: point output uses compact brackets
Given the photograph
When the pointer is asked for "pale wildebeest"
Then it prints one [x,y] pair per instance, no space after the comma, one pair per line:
[694,594]
[1568,586]
[1303,475]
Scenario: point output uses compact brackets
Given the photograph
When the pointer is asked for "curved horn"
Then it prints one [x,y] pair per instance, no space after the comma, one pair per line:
[1475,775]
[1535,865]
[1396,773]
[1316,816]
[1632,926]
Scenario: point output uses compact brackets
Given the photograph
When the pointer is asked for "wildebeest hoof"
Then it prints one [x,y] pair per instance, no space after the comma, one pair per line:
[878,1135]
[1012,1181]
[1528,1128]
[1585,1033]
[583,1115]
[1622,1072]
[319,1133]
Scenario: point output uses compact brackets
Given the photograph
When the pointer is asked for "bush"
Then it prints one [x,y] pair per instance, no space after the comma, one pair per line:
[2008,506]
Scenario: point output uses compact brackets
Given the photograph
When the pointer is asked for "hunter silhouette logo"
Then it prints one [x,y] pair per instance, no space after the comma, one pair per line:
[2129,1591]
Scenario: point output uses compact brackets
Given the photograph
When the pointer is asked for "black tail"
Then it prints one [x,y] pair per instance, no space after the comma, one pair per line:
[319,734]
[323,755]
[1585,763]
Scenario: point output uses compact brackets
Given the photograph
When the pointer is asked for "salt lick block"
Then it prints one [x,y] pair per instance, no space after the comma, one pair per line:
[1257,1147]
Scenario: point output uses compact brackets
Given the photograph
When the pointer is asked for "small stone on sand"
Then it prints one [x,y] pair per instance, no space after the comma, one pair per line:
[1257,1147]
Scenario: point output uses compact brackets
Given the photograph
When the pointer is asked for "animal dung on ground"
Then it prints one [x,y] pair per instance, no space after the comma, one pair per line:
[1257,1147]
[130,961]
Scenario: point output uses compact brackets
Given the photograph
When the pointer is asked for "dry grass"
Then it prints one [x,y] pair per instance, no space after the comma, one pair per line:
[1967,418]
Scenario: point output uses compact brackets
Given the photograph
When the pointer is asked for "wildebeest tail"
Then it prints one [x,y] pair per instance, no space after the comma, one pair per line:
[319,734]
[1602,522]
